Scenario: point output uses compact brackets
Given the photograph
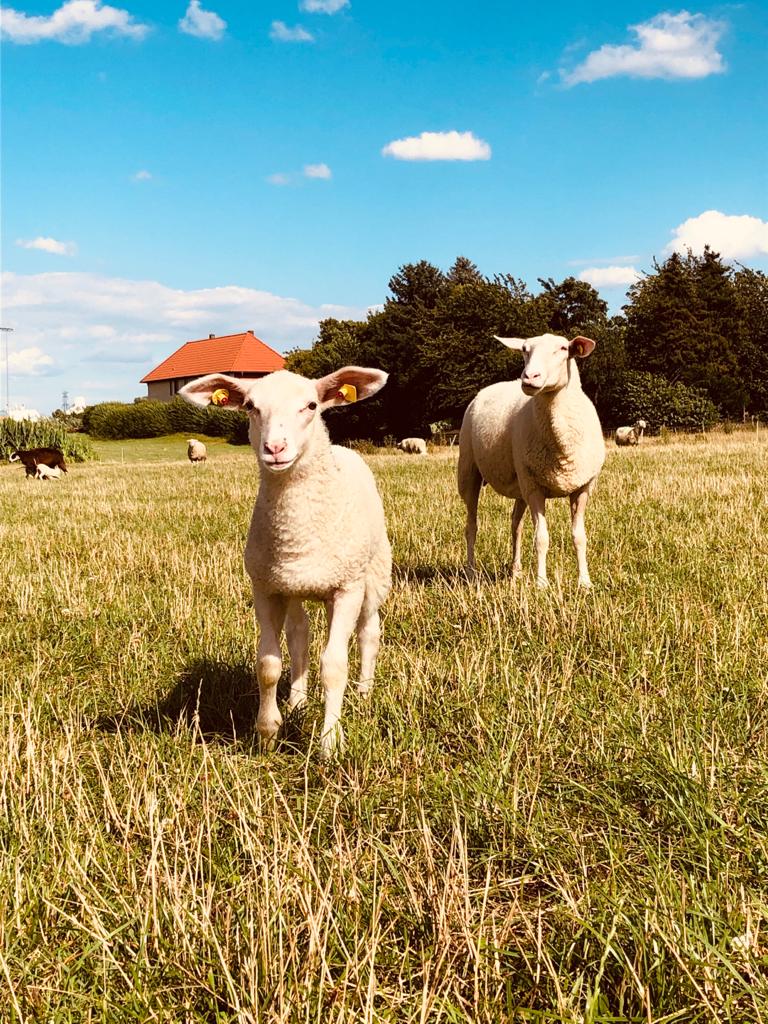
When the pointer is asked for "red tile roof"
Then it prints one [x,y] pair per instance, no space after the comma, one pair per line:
[230,353]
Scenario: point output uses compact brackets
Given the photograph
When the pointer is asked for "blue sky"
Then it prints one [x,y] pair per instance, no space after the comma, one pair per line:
[175,169]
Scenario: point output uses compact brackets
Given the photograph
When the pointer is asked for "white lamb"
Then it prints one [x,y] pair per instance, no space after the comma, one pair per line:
[196,451]
[532,439]
[630,435]
[413,445]
[43,472]
[317,532]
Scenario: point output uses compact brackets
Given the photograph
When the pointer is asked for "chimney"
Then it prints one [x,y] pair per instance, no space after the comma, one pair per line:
[211,335]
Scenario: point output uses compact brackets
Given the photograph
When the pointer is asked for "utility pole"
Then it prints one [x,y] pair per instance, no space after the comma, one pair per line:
[6,331]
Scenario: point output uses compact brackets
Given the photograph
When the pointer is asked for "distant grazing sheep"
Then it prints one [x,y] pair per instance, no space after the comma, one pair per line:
[44,472]
[413,445]
[196,451]
[32,457]
[317,532]
[630,435]
[532,439]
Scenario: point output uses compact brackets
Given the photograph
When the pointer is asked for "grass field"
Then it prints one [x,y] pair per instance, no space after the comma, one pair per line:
[553,807]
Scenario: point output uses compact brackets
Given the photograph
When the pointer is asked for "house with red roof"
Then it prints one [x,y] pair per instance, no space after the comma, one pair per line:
[239,355]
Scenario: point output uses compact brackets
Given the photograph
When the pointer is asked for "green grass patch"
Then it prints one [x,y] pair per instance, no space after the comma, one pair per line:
[552,808]
[170,448]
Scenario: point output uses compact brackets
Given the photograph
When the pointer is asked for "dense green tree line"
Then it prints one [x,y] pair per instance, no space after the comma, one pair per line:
[691,344]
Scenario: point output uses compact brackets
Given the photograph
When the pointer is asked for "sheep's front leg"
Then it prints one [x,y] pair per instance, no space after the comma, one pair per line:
[345,606]
[518,514]
[579,533]
[535,501]
[270,614]
[297,635]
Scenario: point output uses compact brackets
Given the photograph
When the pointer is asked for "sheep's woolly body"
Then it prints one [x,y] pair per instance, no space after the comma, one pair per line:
[532,439]
[196,451]
[553,440]
[413,445]
[320,529]
[628,436]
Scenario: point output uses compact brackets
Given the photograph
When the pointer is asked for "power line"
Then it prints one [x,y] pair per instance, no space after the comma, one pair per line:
[6,331]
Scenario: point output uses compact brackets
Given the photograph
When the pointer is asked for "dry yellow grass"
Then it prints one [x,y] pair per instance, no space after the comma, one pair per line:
[553,807]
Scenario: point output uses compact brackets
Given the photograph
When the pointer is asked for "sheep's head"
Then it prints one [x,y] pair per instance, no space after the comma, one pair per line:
[546,360]
[284,408]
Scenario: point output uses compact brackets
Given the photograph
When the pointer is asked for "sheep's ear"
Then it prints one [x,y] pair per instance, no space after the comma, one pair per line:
[224,391]
[581,347]
[349,384]
[515,343]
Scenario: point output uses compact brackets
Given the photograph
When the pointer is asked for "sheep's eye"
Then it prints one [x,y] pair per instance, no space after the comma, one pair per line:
[312,406]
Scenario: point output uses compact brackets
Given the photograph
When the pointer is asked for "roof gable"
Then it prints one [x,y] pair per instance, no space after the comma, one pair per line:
[229,353]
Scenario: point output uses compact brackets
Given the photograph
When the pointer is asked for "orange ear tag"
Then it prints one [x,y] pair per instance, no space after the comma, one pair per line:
[348,392]
[220,396]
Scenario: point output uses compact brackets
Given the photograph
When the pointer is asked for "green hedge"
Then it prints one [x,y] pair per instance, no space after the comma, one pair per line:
[119,421]
[43,434]
[636,395]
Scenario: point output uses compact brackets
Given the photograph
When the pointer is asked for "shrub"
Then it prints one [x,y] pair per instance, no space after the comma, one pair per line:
[43,434]
[636,395]
[119,421]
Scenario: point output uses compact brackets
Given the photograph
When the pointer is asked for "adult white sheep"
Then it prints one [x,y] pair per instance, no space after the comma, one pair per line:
[630,435]
[317,532]
[196,451]
[413,445]
[532,439]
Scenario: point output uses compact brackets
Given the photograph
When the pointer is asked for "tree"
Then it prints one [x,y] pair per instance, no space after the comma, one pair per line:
[418,284]
[683,324]
[752,300]
[573,306]
[463,271]
[337,345]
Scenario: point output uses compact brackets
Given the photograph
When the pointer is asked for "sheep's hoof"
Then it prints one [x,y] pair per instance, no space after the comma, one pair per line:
[542,583]
[297,700]
[364,687]
[268,736]
[332,743]
[585,584]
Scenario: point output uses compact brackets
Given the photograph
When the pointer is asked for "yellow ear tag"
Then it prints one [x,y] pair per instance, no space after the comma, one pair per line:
[348,392]
[220,396]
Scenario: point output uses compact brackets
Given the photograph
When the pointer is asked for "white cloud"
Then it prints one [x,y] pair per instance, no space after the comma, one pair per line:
[201,23]
[669,45]
[82,326]
[142,176]
[735,237]
[279,179]
[51,245]
[283,34]
[317,171]
[610,277]
[439,146]
[323,6]
[74,22]
[29,362]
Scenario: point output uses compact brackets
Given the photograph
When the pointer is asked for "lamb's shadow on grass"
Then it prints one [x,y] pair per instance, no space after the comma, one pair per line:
[219,701]
[425,575]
